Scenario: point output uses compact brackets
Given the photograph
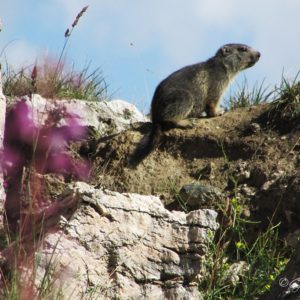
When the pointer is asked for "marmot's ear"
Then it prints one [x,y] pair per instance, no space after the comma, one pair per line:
[225,50]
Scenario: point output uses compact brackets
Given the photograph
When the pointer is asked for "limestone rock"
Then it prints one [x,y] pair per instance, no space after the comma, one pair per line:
[106,117]
[126,246]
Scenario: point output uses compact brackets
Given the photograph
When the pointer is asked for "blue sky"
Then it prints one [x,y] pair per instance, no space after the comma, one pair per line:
[137,43]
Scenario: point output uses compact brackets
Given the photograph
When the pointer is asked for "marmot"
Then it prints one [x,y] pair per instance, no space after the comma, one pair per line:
[192,90]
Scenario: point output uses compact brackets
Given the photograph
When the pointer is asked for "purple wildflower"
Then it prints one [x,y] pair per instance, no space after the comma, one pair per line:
[38,150]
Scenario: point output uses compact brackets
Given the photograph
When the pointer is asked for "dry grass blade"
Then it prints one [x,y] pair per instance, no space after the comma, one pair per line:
[67,36]
[79,16]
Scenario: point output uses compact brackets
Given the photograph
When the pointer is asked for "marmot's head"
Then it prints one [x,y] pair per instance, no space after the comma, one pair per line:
[238,56]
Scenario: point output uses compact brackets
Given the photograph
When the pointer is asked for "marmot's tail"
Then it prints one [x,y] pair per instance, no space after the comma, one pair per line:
[148,143]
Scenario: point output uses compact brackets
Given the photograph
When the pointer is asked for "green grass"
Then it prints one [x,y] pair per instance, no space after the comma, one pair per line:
[174,192]
[64,83]
[289,90]
[264,259]
[262,254]
[284,100]
[286,107]
[246,96]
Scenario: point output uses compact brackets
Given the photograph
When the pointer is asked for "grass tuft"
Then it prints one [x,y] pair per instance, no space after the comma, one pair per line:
[44,79]
[286,107]
[53,78]
[246,96]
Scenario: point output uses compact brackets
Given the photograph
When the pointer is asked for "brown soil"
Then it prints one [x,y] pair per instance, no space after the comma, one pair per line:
[239,153]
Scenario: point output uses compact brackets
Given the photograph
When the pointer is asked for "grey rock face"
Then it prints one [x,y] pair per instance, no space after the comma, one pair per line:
[126,246]
[106,117]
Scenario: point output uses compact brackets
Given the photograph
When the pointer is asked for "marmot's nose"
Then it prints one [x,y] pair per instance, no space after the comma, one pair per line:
[258,54]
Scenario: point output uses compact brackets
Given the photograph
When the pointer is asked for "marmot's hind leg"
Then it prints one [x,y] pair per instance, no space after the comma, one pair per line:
[212,110]
[173,107]
[182,124]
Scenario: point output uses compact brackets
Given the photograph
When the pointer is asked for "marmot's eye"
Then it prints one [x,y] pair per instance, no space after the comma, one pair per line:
[243,49]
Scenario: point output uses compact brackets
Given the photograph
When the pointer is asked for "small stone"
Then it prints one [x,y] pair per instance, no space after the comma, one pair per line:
[247,191]
[242,172]
[246,212]
[206,173]
[235,271]
[254,127]
[196,195]
[267,185]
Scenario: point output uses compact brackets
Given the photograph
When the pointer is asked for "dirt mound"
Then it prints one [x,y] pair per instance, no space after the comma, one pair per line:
[238,153]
